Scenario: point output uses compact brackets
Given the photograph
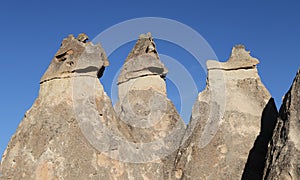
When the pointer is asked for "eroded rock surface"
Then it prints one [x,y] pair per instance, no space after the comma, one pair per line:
[225,120]
[73,132]
[142,69]
[143,105]
[49,143]
[283,159]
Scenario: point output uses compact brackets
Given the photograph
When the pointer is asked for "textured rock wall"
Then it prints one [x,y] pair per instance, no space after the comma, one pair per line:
[283,158]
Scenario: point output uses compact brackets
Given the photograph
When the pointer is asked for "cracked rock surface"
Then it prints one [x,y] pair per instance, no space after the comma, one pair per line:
[283,158]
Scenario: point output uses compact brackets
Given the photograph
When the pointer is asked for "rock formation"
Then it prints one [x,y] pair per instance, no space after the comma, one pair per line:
[283,159]
[154,122]
[49,143]
[73,132]
[225,120]
[142,88]
[254,168]
[142,69]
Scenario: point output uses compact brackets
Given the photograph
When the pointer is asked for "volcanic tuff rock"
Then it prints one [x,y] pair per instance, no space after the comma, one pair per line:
[73,132]
[144,106]
[142,69]
[283,159]
[49,142]
[225,120]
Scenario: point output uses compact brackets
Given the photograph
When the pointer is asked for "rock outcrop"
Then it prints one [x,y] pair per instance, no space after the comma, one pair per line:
[143,105]
[225,120]
[283,159]
[72,131]
[142,69]
[50,142]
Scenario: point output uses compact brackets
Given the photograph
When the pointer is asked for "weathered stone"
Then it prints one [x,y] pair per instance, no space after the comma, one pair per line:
[145,108]
[225,120]
[73,132]
[49,143]
[142,65]
[283,158]
[154,82]
[239,59]
[142,69]
[73,58]
[254,168]
[144,45]
[82,37]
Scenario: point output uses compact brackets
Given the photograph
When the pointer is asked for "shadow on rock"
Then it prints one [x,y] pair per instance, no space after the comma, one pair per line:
[254,167]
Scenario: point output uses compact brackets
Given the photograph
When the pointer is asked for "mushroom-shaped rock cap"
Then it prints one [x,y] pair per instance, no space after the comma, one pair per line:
[76,57]
[239,58]
[142,61]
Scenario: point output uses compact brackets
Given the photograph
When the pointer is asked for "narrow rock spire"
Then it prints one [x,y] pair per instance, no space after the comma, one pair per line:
[225,120]
[143,105]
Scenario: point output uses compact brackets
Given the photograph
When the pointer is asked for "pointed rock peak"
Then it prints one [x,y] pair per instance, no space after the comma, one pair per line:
[142,69]
[239,53]
[144,45]
[298,74]
[142,61]
[75,57]
[239,59]
[296,81]
[295,84]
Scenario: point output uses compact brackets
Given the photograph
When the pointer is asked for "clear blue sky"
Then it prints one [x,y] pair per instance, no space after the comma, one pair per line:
[31,32]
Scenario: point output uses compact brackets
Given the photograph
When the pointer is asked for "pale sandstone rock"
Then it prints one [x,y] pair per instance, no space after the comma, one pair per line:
[283,158]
